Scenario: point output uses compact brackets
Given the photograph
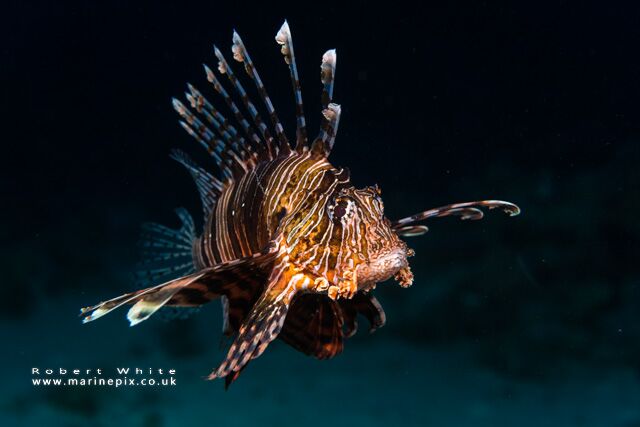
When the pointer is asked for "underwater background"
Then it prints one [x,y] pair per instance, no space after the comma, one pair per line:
[525,321]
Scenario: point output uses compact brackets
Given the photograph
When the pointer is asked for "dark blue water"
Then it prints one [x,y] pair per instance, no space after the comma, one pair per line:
[523,321]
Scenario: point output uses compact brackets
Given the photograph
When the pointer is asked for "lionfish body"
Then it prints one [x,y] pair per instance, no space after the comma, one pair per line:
[290,247]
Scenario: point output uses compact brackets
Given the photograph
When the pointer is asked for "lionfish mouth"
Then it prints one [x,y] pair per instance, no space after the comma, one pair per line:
[383,267]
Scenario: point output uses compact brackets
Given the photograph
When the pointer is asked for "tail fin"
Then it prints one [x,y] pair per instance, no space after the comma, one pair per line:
[166,253]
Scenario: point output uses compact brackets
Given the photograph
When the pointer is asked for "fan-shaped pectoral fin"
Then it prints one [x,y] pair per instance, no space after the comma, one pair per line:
[266,319]
[314,325]
[187,291]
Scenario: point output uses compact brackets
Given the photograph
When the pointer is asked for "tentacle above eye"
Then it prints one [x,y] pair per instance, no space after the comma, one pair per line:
[411,230]
[467,210]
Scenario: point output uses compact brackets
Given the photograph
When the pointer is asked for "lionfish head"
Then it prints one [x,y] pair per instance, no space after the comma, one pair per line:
[370,245]
[366,238]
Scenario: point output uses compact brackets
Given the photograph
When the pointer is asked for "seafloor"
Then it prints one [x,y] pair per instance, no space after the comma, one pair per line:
[380,380]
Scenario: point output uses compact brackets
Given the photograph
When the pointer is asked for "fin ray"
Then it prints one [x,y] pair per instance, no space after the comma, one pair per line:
[225,68]
[283,38]
[261,327]
[240,54]
[201,133]
[330,111]
[208,186]
[188,291]
[314,326]
[233,141]
[250,133]
[265,320]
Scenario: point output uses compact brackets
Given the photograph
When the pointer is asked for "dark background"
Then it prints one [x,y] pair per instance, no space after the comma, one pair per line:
[511,321]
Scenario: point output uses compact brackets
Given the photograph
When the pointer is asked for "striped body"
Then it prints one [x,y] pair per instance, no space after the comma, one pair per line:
[297,194]
[250,209]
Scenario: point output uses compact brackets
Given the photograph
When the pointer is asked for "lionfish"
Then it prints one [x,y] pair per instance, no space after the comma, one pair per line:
[292,249]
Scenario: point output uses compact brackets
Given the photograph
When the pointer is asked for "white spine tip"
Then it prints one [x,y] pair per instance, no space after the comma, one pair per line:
[140,312]
[283,33]
[332,112]
[217,52]
[210,77]
[329,57]
[191,100]
[177,105]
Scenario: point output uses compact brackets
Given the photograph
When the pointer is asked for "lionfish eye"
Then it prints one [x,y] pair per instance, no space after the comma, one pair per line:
[339,209]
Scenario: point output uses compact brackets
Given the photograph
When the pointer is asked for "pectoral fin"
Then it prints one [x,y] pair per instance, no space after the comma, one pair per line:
[188,291]
[264,322]
[261,327]
[314,326]
[365,304]
[317,325]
